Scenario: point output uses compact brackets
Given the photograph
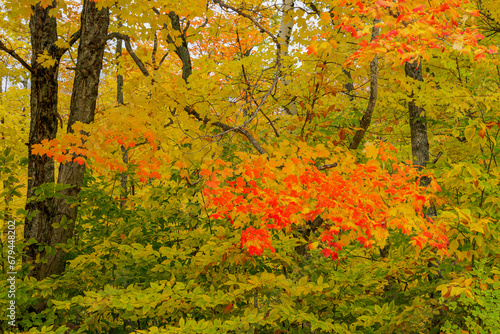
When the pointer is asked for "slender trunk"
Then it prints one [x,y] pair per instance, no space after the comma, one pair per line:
[6,184]
[418,130]
[119,77]
[284,36]
[182,51]
[372,100]
[119,100]
[418,120]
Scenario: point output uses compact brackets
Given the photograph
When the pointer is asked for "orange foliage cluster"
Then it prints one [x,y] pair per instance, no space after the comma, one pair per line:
[357,202]
[256,240]
[83,147]
[410,29]
[233,38]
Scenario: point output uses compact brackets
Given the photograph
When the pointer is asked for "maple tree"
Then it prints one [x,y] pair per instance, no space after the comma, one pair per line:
[230,166]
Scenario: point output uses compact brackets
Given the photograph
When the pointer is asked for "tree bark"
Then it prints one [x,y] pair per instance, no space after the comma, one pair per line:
[418,120]
[43,125]
[94,28]
[182,51]
[120,101]
[284,36]
[372,100]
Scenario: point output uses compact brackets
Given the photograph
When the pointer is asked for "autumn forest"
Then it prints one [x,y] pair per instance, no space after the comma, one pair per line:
[229,166]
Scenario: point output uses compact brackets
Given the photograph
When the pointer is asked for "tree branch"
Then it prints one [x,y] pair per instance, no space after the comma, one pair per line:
[72,40]
[323,167]
[254,21]
[14,55]
[128,46]
[227,128]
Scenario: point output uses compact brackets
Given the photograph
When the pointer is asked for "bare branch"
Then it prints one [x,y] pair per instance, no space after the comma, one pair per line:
[227,129]
[244,132]
[155,48]
[162,59]
[437,157]
[254,21]
[136,59]
[323,167]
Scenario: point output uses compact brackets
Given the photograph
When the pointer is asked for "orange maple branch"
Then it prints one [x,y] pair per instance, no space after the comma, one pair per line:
[17,57]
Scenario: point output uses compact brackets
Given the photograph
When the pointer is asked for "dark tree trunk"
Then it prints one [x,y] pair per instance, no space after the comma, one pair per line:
[181,51]
[418,130]
[120,101]
[418,120]
[44,122]
[93,37]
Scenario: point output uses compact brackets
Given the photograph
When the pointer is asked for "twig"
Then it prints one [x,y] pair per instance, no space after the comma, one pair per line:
[437,157]
[328,166]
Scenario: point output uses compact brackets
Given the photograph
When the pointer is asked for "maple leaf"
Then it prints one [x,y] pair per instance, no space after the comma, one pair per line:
[155,175]
[80,160]
[60,157]
[37,149]
[256,240]
[329,253]
[45,3]
[312,49]
[46,60]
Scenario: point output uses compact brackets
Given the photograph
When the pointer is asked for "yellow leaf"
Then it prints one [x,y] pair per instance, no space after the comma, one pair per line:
[62,44]
[458,45]
[370,150]
[325,16]
[469,132]
[314,245]
[453,246]
[45,60]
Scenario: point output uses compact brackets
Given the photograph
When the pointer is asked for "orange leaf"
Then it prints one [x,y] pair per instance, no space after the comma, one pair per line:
[228,308]
[60,158]
[80,160]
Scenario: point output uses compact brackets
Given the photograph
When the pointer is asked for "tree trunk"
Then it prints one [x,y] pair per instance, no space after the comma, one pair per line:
[418,130]
[284,36]
[44,122]
[182,51]
[418,120]
[372,100]
[120,101]
[94,29]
